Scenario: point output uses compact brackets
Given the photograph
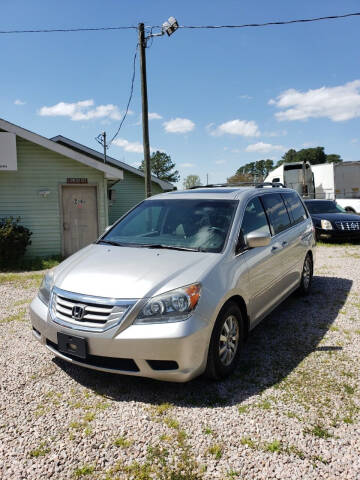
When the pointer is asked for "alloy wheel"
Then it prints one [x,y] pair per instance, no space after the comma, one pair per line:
[229,340]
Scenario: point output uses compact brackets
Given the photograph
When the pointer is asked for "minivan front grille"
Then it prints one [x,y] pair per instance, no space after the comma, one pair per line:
[349,226]
[87,312]
[67,308]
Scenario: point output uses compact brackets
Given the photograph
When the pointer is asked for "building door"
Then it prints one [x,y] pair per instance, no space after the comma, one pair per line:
[80,217]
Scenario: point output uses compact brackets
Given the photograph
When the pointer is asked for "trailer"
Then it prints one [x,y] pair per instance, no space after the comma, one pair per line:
[340,182]
[334,181]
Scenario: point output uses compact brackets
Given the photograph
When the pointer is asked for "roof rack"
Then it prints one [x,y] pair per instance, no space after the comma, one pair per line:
[241,184]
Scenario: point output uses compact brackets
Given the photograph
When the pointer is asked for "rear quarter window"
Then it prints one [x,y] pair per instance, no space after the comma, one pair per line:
[295,207]
[277,212]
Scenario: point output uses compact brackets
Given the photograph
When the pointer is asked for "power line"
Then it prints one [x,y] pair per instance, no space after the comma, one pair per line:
[130,97]
[131,27]
[67,30]
[286,22]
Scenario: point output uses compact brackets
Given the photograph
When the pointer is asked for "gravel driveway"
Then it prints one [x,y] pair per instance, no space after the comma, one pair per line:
[291,411]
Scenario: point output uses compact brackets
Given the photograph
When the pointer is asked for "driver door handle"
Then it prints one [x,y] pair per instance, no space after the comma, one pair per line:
[284,244]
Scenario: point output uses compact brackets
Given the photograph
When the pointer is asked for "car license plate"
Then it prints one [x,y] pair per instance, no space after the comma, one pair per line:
[72,345]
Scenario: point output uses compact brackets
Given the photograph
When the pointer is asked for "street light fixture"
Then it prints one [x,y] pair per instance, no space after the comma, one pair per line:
[170,26]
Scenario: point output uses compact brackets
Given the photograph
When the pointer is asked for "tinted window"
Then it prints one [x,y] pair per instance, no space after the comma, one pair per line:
[194,224]
[323,206]
[295,207]
[277,213]
[254,218]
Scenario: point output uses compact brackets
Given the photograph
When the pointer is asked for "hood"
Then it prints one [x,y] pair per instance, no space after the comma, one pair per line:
[129,273]
[336,217]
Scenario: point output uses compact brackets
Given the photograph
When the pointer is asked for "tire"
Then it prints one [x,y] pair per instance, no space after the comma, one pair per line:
[225,343]
[306,276]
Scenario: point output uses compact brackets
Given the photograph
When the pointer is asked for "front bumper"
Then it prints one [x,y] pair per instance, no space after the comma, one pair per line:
[337,235]
[172,351]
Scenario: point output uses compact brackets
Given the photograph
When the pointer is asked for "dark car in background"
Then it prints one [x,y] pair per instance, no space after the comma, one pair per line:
[332,222]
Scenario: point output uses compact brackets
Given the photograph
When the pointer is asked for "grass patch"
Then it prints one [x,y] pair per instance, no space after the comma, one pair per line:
[122,442]
[41,451]
[216,451]
[264,405]
[243,408]
[35,264]
[318,431]
[349,389]
[171,423]
[83,471]
[17,317]
[162,408]
[208,431]
[248,442]
[274,446]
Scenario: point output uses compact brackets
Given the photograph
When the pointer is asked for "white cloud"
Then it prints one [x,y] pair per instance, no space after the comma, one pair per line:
[179,125]
[336,103]
[19,102]
[354,140]
[136,164]
[132,147]
[82,110]
[154,116]
[187,165]
[220,162]
[245,97]
[262,147]
[236,127]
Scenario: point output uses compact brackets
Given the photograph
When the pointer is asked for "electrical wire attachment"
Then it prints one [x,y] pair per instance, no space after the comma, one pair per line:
[130,97]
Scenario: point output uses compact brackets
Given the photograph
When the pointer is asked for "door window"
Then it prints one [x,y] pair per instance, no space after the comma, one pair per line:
[295,207]
[254,218]
[277,212]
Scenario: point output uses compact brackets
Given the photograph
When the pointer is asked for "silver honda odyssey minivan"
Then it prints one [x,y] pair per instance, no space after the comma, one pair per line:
[173,288]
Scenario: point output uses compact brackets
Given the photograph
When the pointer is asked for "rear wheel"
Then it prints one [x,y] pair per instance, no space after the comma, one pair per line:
[225,343]
[306,276]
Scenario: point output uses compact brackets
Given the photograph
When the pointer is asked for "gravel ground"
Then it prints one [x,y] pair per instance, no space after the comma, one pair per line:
[291,411]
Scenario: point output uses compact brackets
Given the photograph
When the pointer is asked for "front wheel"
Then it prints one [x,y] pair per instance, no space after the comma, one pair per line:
[225,343]
[306,276]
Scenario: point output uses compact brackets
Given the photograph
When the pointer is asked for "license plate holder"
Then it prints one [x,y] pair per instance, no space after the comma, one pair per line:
[72,345]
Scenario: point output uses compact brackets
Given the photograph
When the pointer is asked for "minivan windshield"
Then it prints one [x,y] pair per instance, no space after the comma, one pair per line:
[323,206]
[195,225]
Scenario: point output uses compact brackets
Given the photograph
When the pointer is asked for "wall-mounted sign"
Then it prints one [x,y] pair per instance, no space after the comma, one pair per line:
[8,157]
[76,180]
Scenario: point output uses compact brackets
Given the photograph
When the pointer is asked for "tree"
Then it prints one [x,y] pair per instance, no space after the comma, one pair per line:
[162,167]
[191,181]
[315,156]
[333,158]
[288,157]
[240,178]
[256,170]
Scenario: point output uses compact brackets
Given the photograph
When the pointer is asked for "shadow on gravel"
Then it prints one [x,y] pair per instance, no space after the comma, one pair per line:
[274,348]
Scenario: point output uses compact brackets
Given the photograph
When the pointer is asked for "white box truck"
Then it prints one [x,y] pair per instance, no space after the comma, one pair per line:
[296,175]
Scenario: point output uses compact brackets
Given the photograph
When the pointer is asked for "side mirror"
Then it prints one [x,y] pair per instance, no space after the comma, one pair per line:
[257,239]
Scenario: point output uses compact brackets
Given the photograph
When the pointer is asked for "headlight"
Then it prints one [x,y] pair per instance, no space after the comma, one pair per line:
[326,225]
[45,287]
[174,306]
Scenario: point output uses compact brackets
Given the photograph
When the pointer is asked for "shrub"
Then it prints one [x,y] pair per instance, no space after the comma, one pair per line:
[14,239]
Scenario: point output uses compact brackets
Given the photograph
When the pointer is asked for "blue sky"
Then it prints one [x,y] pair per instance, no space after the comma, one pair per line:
[219,98]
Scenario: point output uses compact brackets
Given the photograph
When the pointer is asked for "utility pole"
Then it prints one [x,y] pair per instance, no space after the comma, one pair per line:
[105,146]
[207,179]
[145,113]
[101,138]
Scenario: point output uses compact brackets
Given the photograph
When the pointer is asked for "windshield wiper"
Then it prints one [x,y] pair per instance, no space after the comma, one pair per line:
[116,244]
[170,247]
